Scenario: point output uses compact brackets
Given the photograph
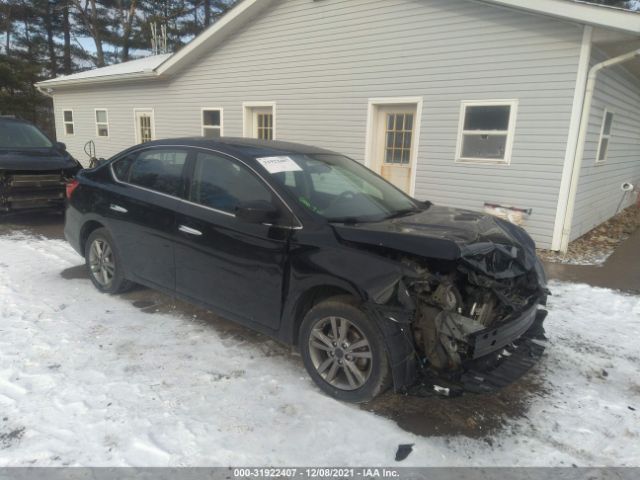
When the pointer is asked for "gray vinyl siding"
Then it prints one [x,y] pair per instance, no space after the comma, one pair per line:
[599,191]
[321,62]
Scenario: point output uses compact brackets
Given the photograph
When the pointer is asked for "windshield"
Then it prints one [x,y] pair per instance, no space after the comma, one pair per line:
[22,135]
[340,189]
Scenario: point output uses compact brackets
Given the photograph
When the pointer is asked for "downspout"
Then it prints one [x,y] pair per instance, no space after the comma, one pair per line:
[582,137]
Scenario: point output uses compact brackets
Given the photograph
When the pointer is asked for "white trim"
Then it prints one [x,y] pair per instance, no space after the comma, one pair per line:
[590,89]
[510,132]
[574,131]
[136,131]
[579,12]
[98,124]
[373,104]
[72,122]
[212,109]
[605,136]
[247,120]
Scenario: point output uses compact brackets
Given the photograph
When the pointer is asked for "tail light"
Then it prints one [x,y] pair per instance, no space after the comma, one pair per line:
[71,186]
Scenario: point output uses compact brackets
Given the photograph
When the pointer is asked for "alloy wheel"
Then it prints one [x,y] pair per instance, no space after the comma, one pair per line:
[101,262]
[340,353]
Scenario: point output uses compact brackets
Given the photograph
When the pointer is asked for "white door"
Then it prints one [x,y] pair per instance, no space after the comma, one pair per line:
[262,122]
[393,144]
[145,127]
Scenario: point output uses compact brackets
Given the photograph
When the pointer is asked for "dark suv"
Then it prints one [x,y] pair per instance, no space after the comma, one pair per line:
[310,247]
[34,170]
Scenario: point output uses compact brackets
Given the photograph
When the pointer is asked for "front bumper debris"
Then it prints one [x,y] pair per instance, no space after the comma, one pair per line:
[495,338]
[492,372]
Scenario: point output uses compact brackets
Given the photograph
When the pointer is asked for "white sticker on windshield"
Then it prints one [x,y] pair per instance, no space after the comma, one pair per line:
[279,164]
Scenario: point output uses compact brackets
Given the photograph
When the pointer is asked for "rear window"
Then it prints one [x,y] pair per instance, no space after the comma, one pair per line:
[22,135]
[158,170]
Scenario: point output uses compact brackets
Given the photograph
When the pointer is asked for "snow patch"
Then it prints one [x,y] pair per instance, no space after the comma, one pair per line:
[102,383]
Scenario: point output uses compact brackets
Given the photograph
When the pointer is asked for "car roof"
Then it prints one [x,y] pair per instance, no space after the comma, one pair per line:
[13,120]
[245,147]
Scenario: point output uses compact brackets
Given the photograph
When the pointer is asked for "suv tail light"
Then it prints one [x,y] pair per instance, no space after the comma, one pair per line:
[71,186]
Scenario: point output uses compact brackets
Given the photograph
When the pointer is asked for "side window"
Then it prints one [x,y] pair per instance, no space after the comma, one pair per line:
[159,170]
[486,132]
[122,167]
[605,136]
[223,184]
[67,118]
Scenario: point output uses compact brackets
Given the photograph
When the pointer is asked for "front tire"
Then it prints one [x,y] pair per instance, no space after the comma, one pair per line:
[104,263]
[344,351]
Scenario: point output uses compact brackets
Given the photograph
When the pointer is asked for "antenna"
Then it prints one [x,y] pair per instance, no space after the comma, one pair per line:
[154,38]
[159,42]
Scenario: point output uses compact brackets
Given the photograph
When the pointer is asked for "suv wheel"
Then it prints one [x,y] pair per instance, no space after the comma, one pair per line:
[344,351]
[104,264]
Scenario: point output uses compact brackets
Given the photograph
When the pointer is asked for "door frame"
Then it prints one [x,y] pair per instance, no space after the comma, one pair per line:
[136,130]
[372,114]
[248,114]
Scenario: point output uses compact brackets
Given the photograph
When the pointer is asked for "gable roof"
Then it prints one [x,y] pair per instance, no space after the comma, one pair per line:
[160,65]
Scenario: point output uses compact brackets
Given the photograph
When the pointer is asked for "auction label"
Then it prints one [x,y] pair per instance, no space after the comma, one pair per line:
[279,164]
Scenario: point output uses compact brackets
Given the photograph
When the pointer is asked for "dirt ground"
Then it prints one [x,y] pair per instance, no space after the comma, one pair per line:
[477,416]
[597,245]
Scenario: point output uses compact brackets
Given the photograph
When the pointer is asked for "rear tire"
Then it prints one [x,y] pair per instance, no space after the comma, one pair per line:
[344,351]
[104,263]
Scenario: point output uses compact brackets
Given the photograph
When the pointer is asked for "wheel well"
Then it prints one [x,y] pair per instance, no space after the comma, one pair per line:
[311,298]
[87,229]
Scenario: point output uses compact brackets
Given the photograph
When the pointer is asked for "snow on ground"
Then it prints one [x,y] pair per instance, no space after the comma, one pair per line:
[88,379]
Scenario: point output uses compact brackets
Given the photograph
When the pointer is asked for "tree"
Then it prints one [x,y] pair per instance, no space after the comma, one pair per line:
[92,20]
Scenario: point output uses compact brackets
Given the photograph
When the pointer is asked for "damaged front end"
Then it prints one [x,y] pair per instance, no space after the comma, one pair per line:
[25,190]
[470,325]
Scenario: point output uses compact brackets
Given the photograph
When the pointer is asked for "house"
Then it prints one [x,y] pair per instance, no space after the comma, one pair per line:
[464,102]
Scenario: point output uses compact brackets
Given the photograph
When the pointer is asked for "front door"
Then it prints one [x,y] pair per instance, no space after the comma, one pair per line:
[393,144]
[145,128]
[261,123]
[233,266]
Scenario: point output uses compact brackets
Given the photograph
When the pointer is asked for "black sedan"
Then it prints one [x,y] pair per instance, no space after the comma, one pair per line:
[34,170]
[308,246]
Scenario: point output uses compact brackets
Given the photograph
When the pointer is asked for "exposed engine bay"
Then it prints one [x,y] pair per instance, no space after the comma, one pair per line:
[452,308]
[475,324]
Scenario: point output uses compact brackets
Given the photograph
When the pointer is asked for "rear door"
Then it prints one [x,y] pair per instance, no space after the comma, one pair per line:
[231,265]
[143,212]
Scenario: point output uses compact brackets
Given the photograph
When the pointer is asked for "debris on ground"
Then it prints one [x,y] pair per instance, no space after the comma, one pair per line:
[596,246]
[404,451]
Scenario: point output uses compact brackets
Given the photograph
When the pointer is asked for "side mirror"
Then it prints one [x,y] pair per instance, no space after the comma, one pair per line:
[61,146]
[257,212]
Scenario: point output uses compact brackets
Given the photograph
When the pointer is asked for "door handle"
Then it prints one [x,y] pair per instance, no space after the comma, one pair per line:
[190,231]
[118,208]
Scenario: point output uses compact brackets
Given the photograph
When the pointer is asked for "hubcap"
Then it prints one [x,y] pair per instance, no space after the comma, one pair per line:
[340,353]
[101,262]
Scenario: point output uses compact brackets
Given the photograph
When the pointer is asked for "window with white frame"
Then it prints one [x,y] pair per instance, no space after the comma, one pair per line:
[67,118]
[102,122]
[211,122]
[605,136]
[486,131]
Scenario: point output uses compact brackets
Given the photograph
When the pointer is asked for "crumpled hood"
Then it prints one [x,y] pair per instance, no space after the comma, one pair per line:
[36,159]
[446,233]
